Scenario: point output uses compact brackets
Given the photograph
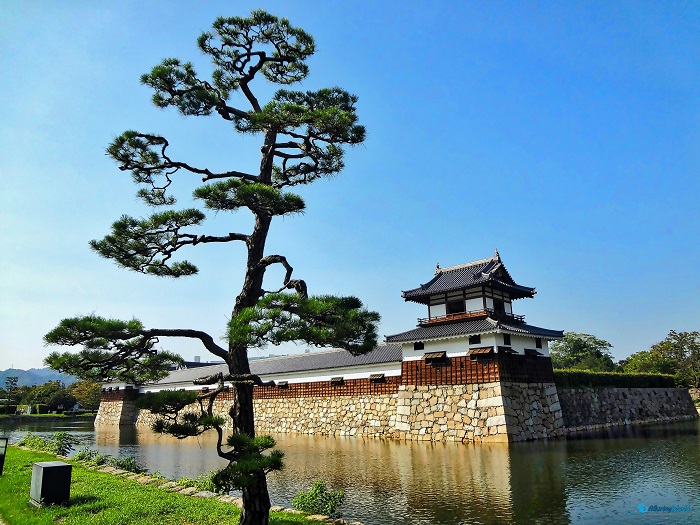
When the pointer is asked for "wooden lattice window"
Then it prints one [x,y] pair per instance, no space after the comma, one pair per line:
[377,378]
[475,353]
[435,358]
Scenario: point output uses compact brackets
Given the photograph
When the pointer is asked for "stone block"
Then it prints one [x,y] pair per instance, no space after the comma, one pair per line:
[490,402]
[204,494]
[496,420]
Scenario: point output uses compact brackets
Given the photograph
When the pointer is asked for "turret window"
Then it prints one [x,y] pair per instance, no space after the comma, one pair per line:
[456,307]
[506,339]
[475,339]
[538,342]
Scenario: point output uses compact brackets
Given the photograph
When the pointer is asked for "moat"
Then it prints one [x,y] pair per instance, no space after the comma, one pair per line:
[576,481]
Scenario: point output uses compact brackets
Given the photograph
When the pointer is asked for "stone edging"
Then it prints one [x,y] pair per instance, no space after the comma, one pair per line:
[173,486]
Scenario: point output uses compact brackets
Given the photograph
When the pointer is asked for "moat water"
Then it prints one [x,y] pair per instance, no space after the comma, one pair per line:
[644,475]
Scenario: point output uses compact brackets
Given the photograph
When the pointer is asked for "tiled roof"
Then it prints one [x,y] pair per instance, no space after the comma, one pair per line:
[439,331]
[530,330]
[325,359]
[478,326]
[486,271]
[385,353]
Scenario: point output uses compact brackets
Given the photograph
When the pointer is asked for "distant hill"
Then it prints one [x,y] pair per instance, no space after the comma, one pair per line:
[35,376]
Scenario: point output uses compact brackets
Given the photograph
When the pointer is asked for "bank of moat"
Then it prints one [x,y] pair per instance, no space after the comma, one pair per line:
[472,370]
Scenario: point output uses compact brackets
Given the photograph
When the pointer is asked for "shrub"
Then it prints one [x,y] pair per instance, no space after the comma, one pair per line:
[319,500]
[93,457]
[202,482]
[570,378]
[100,459]
[8,409]
[61,443]
[34,442]
[85,454]
[127,463]
[41,409]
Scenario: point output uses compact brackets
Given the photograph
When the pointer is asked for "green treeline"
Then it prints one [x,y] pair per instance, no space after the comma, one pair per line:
[52,396]
[675,360]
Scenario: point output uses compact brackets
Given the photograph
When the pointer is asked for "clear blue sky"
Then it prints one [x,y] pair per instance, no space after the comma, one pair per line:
[568,137]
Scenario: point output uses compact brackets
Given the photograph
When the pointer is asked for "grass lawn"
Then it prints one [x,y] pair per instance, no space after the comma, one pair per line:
[86,415]
[100,498]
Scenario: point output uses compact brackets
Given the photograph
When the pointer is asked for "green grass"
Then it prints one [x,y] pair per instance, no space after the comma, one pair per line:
[86,415]
[105,499]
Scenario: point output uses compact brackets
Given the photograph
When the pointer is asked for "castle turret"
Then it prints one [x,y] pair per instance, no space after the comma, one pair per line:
[470,308]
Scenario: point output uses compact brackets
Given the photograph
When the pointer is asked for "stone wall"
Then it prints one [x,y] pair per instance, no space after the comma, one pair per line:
[118,407]
[587,409]
[498,411]
[505,409]
[532,410]
[361,416]
[480,412]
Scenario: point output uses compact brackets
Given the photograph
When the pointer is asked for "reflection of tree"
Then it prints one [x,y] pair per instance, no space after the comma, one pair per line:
[659,464]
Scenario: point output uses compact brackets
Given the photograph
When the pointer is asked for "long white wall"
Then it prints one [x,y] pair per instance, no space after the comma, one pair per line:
[351,372]
[306,376]
[459,346]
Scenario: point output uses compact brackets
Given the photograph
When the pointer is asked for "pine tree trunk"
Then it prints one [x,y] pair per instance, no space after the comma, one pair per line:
[256,498]
[256,503]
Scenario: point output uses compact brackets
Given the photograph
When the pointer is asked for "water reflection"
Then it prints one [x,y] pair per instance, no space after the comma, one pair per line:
[582,480]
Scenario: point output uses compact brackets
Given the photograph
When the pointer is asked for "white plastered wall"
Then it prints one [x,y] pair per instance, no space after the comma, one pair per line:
[438,310]
[519,343]
[474,304]
[455,347]
[305,376]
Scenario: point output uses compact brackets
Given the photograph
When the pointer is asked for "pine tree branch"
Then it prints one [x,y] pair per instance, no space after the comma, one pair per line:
[176,165]
[205,338]
[233,378]
[277,259]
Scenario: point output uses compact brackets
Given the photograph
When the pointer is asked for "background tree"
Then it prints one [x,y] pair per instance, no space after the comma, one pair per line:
[678,354]
[11,390]
[52,393]
[302,137]
[648,362]
[582,351]
[87,393]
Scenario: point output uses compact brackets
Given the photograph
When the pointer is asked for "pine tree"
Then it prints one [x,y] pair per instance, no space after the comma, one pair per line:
[303,134]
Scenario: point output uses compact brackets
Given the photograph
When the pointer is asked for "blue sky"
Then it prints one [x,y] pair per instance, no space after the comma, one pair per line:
[568,137]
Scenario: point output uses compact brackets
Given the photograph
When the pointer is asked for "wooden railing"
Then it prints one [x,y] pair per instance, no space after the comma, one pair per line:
[473,314]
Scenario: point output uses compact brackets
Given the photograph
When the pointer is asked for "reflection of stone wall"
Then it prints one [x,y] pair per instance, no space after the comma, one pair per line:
[593,408]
